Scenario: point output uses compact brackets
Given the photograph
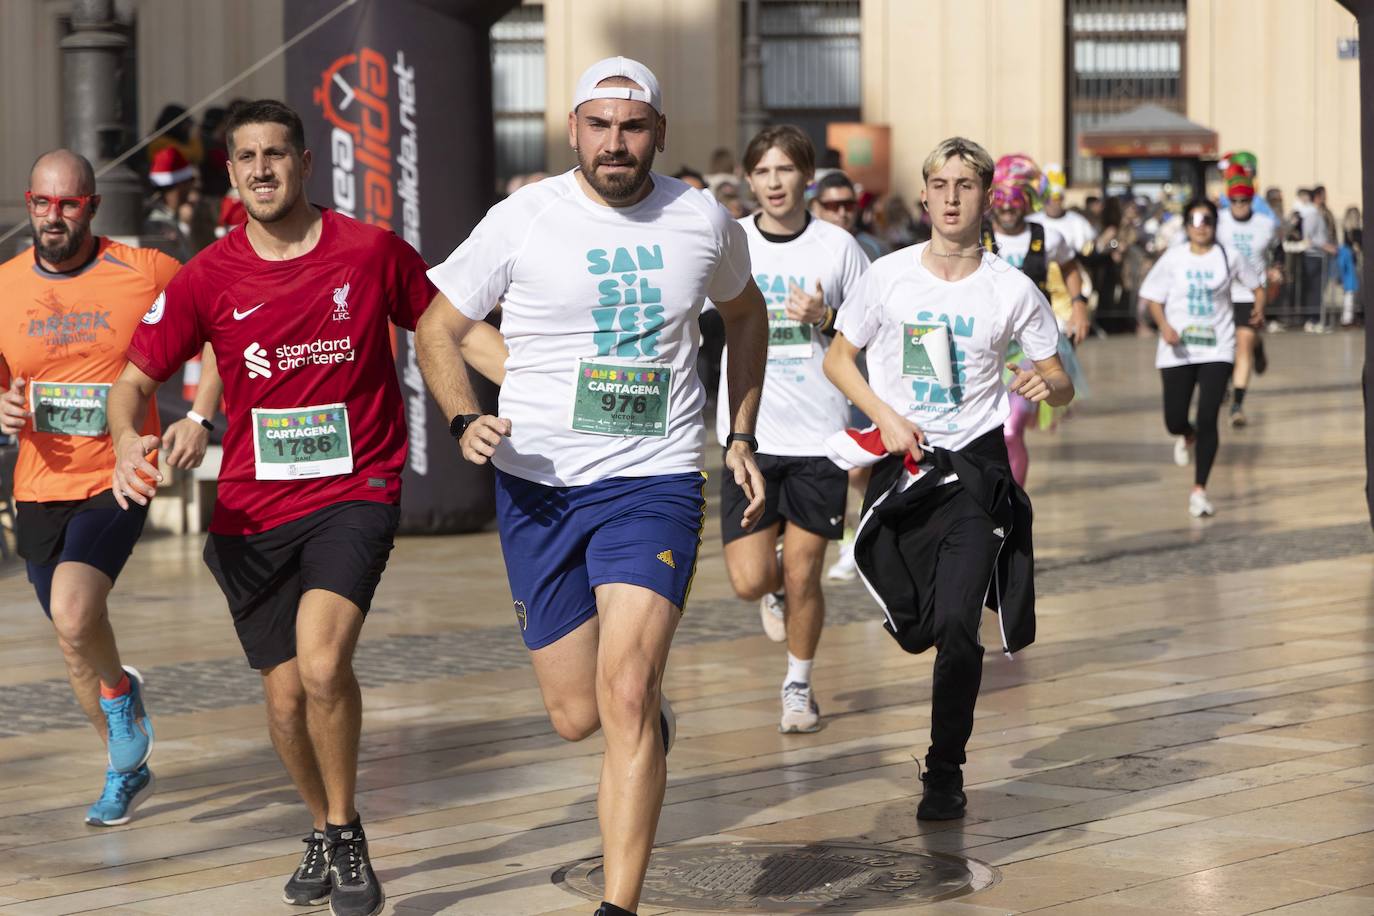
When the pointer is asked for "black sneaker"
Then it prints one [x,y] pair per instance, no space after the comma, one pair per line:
[355,890]
[943,799]
[1261,358]
[310,883]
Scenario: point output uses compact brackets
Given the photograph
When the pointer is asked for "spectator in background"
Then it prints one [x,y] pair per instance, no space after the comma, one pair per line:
[837,202]
[691,177]
[166,224]
[728,195]
[723,169]
[1318,230]
[1104,258]
[895,226]
[214,167]
[1092,209]
[183,137]
[1349,262]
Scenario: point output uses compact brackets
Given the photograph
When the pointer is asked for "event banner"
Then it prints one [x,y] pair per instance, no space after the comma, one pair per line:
[396,98]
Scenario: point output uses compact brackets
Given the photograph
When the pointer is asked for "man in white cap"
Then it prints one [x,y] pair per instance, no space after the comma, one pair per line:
[599,446]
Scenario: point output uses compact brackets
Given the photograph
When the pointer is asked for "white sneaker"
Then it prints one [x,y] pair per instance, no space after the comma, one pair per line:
[667,723]
[800,714]
[843,569]
[1199,505]
[1183,452]
[772,611]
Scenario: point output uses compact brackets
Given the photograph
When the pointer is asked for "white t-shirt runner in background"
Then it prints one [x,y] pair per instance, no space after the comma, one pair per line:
[899,299]
[1195,290]
[1251,239]
[599,312]
[800,407]
[1014,248]
[1074,227]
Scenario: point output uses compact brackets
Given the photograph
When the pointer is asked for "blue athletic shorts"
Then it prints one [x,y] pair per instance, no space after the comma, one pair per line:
[95,532]
[560,543]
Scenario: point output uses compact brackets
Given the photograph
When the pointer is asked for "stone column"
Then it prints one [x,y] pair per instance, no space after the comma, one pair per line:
[91,60]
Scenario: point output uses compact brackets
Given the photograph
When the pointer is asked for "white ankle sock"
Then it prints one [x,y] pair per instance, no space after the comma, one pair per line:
[798,670]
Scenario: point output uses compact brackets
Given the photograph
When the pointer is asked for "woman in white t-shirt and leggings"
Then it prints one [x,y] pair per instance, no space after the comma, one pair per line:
[1188,292]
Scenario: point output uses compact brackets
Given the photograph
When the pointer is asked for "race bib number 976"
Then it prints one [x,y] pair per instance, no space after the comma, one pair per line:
[618,399]
[297,443]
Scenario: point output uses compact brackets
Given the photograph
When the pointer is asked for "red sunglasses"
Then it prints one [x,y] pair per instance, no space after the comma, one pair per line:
[42,205]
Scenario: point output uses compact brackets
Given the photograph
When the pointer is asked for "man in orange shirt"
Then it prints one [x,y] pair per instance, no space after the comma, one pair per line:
[67,312]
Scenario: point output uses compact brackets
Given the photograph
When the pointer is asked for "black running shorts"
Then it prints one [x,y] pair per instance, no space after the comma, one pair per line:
[1243,311]
[341,549]
[806,492]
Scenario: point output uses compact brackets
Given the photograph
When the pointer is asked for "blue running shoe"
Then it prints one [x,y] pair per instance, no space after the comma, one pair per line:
[124,792]
[129,729]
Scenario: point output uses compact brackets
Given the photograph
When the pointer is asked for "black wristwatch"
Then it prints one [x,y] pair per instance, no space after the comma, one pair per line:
[459,424]
[1081,298]
[746,438]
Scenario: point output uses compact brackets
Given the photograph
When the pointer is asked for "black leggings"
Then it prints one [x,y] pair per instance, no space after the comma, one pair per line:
[1179,381]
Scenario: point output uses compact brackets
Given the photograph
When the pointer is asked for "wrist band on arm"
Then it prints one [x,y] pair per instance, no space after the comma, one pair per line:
[197,418]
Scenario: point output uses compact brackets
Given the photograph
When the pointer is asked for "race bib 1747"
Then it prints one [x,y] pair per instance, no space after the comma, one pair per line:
[621,399]
[68,408]
[301,442]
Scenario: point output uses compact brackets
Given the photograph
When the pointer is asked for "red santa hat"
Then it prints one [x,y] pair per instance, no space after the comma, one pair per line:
[170,168]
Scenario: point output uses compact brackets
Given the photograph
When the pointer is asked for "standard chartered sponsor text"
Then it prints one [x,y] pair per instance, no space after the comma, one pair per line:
[320,352]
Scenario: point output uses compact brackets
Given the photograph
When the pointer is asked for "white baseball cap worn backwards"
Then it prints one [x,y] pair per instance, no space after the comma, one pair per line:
[632,70]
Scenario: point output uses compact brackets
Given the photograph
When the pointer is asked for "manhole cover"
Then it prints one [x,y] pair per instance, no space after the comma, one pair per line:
[778,878]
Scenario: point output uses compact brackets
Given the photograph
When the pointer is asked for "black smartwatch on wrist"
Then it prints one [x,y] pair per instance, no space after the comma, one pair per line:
[746,438]
[459,424]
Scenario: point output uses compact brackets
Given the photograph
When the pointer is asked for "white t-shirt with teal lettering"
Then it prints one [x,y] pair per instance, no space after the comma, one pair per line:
[800,407]
[899,300]
[1075,228]
[1251,239]
[599,311]
[1014,248]
[1195,290]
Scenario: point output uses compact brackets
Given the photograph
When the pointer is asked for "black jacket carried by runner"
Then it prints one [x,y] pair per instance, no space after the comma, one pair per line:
[985,473]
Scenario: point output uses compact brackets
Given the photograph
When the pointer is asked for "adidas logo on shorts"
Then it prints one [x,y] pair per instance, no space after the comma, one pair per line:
[667,557]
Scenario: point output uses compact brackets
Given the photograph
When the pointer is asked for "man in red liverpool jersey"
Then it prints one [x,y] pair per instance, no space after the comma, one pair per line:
[296,305]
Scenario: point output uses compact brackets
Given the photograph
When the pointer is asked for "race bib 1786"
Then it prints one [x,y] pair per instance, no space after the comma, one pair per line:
[300,442]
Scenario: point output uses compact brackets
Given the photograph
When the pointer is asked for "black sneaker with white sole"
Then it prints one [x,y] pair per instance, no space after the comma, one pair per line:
[310,883]
[355,890]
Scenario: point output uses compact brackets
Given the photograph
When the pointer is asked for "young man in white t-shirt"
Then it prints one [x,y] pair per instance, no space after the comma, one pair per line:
[1074,227]
[1251,236]
[805,268]
[947,527]
[602,272]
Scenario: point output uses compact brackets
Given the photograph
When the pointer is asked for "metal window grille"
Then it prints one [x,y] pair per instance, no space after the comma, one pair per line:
[517,88]
[811,59]
[1120,54]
